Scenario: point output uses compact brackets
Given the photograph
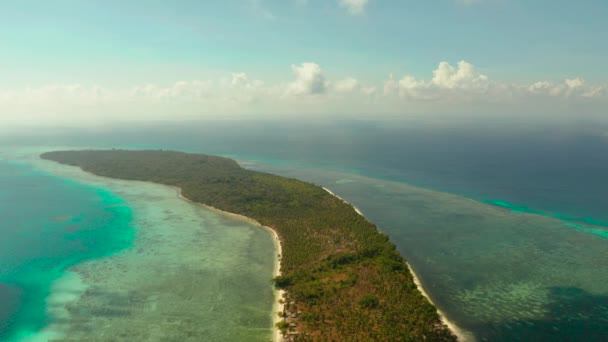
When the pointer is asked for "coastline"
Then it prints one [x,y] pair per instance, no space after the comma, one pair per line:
[460,333]
[81,272]
[343,200]
[279,294]
[450,203]
[276,335]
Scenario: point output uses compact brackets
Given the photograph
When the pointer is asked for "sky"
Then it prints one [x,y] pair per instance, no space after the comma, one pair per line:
[72,60]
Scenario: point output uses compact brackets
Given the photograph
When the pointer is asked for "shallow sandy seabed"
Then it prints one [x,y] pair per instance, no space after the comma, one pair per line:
[501,274]
[192,274]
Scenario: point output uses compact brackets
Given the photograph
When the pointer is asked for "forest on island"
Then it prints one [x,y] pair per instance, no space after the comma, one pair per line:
[345,281]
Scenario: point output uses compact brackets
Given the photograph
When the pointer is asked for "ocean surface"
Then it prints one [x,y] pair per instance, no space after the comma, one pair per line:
[83,255]
[504,223]
[48,225]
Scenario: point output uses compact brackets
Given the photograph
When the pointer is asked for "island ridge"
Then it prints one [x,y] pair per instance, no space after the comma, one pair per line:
[343,279]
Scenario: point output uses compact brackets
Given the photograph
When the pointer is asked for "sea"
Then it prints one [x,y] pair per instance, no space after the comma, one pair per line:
[48,225]
[505,223]
[86,257]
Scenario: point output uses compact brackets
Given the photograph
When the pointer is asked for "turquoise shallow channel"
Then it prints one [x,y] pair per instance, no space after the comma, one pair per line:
[499,271]
[585,224]
[84,256]
[48,225]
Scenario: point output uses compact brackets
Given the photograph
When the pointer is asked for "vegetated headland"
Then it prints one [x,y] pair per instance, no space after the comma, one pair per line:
[343,279]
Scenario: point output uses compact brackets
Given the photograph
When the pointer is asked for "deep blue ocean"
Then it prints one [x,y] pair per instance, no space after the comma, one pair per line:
[47,225]
[552,169]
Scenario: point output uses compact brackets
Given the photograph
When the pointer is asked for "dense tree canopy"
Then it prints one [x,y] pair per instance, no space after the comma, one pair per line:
[344,279]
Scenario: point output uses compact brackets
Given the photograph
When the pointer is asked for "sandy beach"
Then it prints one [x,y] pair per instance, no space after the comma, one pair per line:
[277,305]
[343,200]
[278,294]
[461,334]
[192,271]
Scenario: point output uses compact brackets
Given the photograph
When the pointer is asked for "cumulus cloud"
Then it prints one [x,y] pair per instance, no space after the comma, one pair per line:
[575,87]
[354,7]
[464,82]
[346,85]
[242,80]
[450,86]
[464,76]
[309,80]
[574,83]
[447,81]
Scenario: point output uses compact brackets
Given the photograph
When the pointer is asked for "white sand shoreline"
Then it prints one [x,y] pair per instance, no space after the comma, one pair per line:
[343,200]
[278,294]
[277,306]
[460,333]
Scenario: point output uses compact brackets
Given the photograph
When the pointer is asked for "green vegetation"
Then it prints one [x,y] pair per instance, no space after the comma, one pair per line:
[369,301]
[283,326]
[345,281]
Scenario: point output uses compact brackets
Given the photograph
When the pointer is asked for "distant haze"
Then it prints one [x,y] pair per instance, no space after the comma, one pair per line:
[101,61]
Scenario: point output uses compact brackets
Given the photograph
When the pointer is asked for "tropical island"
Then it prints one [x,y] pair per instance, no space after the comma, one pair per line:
[343,280]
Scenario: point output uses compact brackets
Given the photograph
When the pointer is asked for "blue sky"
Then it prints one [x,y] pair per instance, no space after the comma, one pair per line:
[113,44]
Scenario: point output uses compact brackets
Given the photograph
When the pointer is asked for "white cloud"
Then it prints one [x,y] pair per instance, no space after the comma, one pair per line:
[596,91]
[346,85]
[449,87]
[575,87]
[369,91]
[178,90]
[354,7]
[239,78]
[447,82]
[464,83]
[242,80]
[574,83]
[309,80]
[59,93]
[465,76]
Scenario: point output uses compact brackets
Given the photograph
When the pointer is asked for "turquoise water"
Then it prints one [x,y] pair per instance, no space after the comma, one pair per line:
[84,256]
[517,254]
[49,224]
[584,224]
[551,167]
[500,272]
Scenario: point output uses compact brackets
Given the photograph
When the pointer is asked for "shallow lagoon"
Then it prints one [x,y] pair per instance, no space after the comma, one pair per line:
[190,274]
[501,275]
[48,225]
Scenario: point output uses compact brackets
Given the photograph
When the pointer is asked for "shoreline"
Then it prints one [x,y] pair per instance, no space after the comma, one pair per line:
[278,307]
[461,335]
[278,294]
[343,200]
